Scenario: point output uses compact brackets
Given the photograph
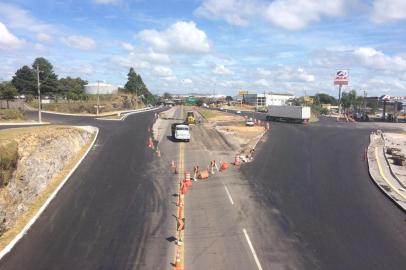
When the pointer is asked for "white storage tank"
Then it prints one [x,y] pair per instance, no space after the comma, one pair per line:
[104,88]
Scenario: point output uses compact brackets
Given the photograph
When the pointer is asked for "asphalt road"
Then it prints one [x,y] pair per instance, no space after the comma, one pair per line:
[105,215]
[317,179]
[306,202]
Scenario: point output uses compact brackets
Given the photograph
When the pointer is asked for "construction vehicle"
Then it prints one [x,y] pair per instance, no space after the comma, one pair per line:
[190,118]
[297,114]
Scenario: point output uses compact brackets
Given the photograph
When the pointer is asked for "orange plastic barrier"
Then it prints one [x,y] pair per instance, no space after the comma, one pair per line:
[204,174]
[224,166]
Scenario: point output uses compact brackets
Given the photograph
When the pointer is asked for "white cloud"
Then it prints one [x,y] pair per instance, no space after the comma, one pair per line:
[297,14]
[18,18]
[263,83]
[154,57]
[222,70]
[163,71]
[374,59]
[234,12]
[287,14]
[80,42]
[131,60]
[42,37]
[181,37]
[7,39]
[263,72]
[388,10]
[127,46]
[187,81]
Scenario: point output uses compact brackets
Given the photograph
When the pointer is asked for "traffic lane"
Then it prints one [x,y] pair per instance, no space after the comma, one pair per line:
[213,237]
[100,217]
[226,226]
[317,178]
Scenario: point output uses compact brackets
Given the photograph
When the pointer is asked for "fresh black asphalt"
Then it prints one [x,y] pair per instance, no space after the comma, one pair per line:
[99,218]
[317,178]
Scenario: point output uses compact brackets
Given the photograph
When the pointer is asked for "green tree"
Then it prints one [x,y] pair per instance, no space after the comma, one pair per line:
[47,76]
[8,91]
[349,99]
[72,88]
[136,85]
[326,99]
[25,81]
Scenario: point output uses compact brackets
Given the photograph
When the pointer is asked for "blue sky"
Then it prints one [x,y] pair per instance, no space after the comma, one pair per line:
[203,46]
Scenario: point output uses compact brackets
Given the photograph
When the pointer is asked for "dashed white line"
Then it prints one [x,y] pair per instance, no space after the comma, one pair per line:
[229,195]
[252,249]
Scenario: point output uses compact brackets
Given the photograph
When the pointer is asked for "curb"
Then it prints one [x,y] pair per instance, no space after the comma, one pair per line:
[390,167]
[24,231]
[126,113]
[394,200]
[24,124]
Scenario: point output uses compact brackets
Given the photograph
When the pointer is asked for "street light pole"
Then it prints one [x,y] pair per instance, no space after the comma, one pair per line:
[39,96]
[98,98]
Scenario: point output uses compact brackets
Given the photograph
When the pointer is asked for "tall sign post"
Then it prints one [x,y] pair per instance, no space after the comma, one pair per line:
[341,78]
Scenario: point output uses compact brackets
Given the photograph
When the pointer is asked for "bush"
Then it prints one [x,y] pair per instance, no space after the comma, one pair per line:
[11,114]
[8,161]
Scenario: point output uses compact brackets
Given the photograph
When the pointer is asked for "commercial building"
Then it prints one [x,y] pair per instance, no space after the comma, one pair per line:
[267,99]
[100,88]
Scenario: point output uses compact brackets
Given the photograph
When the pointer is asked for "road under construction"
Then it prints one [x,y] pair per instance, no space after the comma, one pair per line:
[305,202]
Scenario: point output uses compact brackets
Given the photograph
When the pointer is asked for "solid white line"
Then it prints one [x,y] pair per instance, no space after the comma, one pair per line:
[20,235]
[229,195]
[252,249]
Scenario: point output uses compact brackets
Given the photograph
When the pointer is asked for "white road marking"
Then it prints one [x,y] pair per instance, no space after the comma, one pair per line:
[252,249]
[229,195]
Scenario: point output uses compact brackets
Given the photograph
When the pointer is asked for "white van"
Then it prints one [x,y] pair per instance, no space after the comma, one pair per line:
[180,132]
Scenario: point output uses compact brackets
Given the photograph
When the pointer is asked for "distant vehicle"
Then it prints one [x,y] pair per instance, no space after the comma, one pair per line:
[262,109]
[249,122]
[204,105]
[180,132]
[360,116]
[190,118]
[296,114]
[238,112]
[221,108]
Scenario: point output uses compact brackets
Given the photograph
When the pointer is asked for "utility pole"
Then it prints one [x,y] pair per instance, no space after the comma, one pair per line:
[39,96]
[98,98]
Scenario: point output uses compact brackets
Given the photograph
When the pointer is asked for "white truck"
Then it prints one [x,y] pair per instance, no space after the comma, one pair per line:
[297,114]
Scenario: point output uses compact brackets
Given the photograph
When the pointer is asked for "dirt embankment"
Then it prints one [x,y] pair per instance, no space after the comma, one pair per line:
[108,103]
[234,129]
[42,154]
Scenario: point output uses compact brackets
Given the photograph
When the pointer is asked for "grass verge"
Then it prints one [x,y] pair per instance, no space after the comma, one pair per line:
[42,197]
[8,161]
[11,115]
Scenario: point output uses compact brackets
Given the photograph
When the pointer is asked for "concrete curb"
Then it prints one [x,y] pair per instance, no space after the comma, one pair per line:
[127,113]
[24,231]
[389,164]
[378,182]
[24,124]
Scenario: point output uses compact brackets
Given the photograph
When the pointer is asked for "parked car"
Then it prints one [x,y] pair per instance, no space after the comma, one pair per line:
[238,112]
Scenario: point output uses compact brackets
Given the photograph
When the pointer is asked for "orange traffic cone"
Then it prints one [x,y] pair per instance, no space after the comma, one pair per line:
[178,263]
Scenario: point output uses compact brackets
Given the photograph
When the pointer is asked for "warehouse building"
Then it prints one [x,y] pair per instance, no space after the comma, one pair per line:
[264,100]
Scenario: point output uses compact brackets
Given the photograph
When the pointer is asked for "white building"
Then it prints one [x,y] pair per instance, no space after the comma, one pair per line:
[264,100]
[100,88]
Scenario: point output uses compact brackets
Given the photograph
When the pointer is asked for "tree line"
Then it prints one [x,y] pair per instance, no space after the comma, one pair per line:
[25,80]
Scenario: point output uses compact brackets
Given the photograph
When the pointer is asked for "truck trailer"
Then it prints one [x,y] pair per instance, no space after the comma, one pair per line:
[294,114]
